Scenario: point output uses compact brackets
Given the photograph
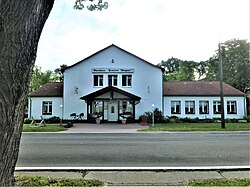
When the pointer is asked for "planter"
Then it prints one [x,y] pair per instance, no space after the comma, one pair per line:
[98,121]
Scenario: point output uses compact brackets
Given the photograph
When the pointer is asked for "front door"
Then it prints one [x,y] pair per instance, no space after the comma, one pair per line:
[113,111]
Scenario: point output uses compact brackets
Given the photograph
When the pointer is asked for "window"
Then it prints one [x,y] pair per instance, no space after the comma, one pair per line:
[47,108]
[217,107]
[97,107]
[204,107]
[126,80]
[127,107]
[175,107]
[98,80]
[112,80]
[231,107]
[189,107]
[112,109]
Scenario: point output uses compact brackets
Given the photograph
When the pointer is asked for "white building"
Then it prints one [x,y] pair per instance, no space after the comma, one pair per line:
[114,84]
[202,100]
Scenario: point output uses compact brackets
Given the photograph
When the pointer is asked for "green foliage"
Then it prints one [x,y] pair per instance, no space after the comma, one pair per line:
[59,71]
[39,78]
[47,128]
[158,116]
[42,181]
[220,182]
[81,4]
[53,119]
[199,127]
[69,124]
[236,65]
[247,118]
[178,70]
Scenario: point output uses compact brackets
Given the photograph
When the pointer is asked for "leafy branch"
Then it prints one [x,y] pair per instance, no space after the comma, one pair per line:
[81,4]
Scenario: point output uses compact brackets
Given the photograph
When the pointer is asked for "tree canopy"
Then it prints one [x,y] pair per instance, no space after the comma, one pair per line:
[236,66]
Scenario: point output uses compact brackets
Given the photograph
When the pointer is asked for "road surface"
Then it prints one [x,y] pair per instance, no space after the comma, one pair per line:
[134,149]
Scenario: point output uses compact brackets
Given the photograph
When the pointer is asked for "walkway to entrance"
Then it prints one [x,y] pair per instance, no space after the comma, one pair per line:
[104,128]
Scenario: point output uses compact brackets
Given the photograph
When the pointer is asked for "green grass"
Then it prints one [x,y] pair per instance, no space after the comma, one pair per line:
[47,128]
[24,181]
[198,127]
[224,182]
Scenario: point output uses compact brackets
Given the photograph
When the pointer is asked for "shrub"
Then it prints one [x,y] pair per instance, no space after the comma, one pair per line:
[190,120]
[174,119]
[53,119]
[158,116]
[27,121]
[69,125]
[247,118]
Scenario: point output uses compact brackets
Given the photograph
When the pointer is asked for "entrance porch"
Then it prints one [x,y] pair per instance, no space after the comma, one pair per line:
[111,104]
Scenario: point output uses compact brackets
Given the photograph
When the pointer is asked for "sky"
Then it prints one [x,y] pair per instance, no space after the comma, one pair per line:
[154,30]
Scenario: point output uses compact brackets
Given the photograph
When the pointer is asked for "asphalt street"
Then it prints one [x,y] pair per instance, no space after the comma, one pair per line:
[134,149]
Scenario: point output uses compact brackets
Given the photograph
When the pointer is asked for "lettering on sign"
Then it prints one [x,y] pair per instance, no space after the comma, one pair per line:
[112,70]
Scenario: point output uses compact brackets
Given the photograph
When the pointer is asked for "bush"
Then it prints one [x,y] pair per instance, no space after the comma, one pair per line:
[190,120]
[69,125]
[247,118]
[174,119]
[27,121]
[53,119]
[158,116]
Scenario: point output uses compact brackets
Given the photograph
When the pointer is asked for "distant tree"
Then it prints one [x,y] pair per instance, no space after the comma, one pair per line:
[178,70]
[39,78]
[236,65]
[59,71]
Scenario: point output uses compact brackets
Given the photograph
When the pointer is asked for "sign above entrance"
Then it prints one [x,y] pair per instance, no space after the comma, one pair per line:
[112,70]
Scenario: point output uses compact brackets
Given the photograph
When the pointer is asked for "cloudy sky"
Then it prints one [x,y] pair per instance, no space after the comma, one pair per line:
[154,30]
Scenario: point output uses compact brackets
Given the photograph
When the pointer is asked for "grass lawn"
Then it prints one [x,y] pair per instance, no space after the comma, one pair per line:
[47,128]
[24,181]
[224,182]
[198,127]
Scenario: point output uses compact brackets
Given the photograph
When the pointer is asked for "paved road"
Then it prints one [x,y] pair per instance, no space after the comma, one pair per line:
[134,149]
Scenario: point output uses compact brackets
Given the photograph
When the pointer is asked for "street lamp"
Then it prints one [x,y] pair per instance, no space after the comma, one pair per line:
[61,106]
[153,116]
[221,88]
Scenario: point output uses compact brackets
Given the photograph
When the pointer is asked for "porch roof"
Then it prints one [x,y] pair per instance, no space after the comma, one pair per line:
[93,95]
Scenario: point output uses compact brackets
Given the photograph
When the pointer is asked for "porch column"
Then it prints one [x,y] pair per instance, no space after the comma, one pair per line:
[134,110]
[103,110]
[87,110]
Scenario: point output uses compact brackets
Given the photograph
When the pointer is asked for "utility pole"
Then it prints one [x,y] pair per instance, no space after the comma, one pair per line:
[221,89]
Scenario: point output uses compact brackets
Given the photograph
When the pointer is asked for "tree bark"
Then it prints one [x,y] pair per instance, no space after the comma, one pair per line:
[21,24]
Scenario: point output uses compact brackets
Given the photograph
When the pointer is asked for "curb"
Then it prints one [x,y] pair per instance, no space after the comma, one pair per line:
[205,168]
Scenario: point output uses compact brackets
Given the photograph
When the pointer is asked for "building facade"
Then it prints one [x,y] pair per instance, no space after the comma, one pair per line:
[114,84]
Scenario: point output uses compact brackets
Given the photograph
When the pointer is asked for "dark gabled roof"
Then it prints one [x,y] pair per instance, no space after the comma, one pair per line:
[198,88]
[93,95]
[113,45]
[51,89]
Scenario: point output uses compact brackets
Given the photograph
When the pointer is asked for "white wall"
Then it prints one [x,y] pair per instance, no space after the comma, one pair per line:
[240,102]
[35,107]
[146,81]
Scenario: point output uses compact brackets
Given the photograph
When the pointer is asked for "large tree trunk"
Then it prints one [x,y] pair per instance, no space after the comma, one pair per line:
[21,24]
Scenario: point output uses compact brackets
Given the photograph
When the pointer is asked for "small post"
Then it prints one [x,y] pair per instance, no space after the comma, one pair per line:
[61,106]
[221,90]
[153,116]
